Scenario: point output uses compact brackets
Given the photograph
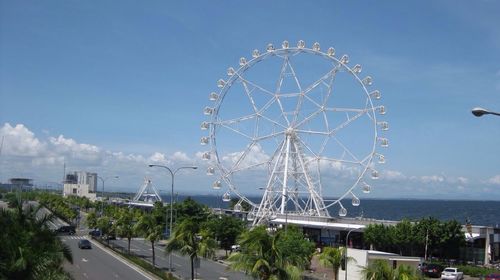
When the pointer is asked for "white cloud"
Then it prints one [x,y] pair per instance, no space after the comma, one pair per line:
[158,158]
[180,156]
[254,156]
[432,179]
[20,141]
[392,175]
[494,180]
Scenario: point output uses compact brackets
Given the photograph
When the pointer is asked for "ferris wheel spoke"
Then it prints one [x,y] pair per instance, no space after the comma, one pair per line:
[313,132]
[272,135]
[235,120]
[242,157]
[329,74]
[347,122]
[346,149]
[273,121]
[255,85]
[237,131]
[250,166]
[248,93]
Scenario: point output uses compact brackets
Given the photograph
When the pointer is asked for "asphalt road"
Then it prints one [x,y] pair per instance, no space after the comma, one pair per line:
[181,265]
[96,263]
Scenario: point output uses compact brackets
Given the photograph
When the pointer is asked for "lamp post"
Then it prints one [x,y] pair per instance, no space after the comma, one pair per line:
[478,112]
[104,180]
[172,174]
[345,252]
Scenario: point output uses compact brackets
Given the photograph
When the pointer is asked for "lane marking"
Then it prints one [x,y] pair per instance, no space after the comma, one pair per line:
[118,257]
[84,260]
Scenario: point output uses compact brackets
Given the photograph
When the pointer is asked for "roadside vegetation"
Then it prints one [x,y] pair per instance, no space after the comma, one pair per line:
[30,249]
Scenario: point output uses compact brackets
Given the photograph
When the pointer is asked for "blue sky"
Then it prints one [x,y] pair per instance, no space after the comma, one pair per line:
[110,86]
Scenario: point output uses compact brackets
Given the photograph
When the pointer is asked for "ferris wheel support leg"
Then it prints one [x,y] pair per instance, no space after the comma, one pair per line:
[285,176]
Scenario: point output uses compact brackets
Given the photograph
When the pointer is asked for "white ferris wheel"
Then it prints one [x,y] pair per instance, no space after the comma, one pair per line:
[300,126]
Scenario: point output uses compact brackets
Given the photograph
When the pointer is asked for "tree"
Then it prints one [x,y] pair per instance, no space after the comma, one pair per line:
[30,250]
[92,220]
[381,270]
[333,257]
[125,225]
[262,257]
[151,231]
[297,249]
[190,209]
[191,241]
[225,229]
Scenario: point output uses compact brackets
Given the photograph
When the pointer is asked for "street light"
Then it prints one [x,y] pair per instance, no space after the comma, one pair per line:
[104,180]
[345,252]
[478,112]
[172,174]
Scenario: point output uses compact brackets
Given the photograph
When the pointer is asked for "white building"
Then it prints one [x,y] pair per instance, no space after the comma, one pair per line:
[81,184]
[363,258]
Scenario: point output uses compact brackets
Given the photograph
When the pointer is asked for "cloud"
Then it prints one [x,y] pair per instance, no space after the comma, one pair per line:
[392,175]
[494,180]
[20,141]
[180,156]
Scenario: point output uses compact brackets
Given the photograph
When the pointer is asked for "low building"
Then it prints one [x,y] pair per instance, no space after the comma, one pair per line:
[79,190]
[361,259]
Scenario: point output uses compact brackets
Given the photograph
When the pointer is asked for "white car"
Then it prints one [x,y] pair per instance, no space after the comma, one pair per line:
[452,273]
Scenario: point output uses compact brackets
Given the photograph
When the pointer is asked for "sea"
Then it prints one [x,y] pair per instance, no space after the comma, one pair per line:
[481,213]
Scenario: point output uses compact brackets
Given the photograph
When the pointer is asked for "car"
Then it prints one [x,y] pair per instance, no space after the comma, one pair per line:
[84,244]
[452,273]
[432,270]
[95,233]
[236,248]
[492,276]
[66,230]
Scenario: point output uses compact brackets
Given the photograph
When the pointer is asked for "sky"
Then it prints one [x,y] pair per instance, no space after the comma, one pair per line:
[112,86]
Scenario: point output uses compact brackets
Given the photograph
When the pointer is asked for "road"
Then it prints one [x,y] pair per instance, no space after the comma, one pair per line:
[96,263]
[181,264]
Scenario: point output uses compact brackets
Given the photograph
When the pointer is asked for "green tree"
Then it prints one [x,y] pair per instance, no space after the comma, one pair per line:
[150,230]
[30,250]
[125,225]
[261,256]
[333,257]
[404,237]
[92,220]
[191,241]
[297,249]
[381,270]
[190,209]
[225,229]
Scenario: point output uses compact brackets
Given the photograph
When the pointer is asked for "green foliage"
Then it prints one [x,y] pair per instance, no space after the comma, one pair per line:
[381,270]
[189,239]
[333,257]
[262,254]
[190,209]
[408,238]
[476,271]
[224,229]
[125,225]
[92,220]
[147,227]
[30,250]
[58,206]
[295,247]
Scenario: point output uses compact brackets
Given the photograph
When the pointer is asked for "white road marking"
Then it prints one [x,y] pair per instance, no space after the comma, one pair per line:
[223,278]
[84,260]
[85,275]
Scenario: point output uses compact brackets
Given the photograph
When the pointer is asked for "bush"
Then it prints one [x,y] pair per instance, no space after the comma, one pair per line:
[476,271]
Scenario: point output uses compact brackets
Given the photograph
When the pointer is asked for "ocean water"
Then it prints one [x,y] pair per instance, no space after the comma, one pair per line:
[484,213]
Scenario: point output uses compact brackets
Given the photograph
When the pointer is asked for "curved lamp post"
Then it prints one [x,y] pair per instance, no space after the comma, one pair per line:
[478,112]
[104,180]
[172,174]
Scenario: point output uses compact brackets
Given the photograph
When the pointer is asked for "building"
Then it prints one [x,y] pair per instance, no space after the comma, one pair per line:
[363,258]
[81,184]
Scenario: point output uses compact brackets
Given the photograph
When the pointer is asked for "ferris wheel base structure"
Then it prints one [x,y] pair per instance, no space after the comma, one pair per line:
[307,132]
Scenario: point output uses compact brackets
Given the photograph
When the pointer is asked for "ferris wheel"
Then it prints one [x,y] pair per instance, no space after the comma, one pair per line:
[297,124]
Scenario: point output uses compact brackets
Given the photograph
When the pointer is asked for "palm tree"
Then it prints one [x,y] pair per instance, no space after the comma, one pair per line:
[381,270]
[190,240]
[125,225]
[30,250]
[333,257]
[151,231]
[261,257]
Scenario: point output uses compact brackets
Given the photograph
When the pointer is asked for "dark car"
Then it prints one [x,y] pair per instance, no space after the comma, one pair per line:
[95,233]
[493,276]
[66,230]
[432,270]
[84,244]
